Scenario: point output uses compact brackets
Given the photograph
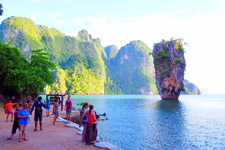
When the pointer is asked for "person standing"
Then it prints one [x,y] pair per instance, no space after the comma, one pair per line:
[38,112]
[64,100]
[23,115]
[15,123]
[84,120]
[56,110]
[29,102]
[69,106]
[48,103]
[8,110]
[91,131]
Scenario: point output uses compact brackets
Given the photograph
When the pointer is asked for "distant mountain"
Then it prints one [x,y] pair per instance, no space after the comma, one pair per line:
[132,70]
[111,51]
[190,89]
[80,68]
[83,65]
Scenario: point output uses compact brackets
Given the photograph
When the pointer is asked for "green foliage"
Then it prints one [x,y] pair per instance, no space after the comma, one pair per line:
[162,54]
[190,88]
[67,53]
[178,60]
[129,72]
[22,77]
[80,104]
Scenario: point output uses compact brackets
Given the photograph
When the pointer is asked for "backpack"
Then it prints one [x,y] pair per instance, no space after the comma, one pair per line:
[38,107]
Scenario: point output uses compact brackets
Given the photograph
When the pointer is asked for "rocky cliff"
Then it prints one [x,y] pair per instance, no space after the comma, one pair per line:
[131,71]
[170,65]
[83,65]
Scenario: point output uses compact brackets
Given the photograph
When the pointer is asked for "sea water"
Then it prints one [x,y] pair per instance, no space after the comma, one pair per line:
[143,122]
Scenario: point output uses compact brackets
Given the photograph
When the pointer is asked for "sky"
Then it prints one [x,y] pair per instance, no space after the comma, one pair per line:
[201,23]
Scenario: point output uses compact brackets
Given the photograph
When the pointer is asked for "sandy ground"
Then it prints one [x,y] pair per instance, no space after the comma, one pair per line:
[56,137]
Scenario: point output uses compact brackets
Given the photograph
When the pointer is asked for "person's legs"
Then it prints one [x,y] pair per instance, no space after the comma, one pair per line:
[7,116]
[41,126]
[11,117]
[67,117]
[91,134]
[14,127]
[36,121]
[55,117]
[21,133]
[70,117]
[84,131]
[40,121]
[25,132]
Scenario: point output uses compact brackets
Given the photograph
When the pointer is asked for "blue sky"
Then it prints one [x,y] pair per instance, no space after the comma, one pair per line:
[199,22]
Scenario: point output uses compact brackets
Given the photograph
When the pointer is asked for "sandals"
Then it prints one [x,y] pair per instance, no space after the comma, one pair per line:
[9,139]
[25,139]
[35,129]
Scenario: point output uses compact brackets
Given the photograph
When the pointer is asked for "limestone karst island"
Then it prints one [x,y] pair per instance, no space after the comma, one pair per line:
[116,75]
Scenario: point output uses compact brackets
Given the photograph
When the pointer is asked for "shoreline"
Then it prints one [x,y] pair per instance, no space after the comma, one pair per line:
[52,138]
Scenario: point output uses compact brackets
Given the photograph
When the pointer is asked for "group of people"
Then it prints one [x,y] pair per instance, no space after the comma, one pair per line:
[23,112]
[88,119]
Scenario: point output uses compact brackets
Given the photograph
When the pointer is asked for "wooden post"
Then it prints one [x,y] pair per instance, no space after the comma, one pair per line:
[61,102]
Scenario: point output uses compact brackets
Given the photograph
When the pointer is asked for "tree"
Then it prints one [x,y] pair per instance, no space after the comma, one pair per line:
[1,9]
[22,78]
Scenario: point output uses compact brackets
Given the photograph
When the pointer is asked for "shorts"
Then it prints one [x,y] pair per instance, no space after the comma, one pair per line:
[9,111]
[56,113]
[14,127]
[68,111]
[47,109]
[38,116]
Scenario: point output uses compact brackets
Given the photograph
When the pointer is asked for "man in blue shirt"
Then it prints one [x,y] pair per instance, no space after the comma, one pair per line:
[38,112]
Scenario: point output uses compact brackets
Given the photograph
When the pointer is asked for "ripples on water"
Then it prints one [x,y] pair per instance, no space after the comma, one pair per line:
[145,122]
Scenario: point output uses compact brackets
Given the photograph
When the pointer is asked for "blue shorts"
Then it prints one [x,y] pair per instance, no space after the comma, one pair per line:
[68,111]
[38,116]
[47,110]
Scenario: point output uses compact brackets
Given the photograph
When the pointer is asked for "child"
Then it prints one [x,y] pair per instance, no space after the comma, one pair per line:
[8,110]
[56,110]
[47,107]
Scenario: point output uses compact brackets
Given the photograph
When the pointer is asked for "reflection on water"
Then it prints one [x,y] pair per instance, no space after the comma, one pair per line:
[169,125]
[144,122]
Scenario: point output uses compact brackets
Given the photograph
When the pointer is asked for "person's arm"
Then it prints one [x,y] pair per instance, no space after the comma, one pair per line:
[32,107]
[65,105]
[85,111]
[93,113]
[54,108]
[44,105]
[21,116]
[71,105]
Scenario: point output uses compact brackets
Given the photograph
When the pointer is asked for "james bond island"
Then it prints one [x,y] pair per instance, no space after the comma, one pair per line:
[170,65]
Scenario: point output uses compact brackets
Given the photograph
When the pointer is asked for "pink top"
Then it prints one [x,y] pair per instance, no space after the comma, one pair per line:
[90,117]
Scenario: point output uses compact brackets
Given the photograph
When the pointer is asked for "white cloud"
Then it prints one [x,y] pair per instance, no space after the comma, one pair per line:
[79,21]
[218,2]
[34,16]
[60,22]
[205,35]
[57,14]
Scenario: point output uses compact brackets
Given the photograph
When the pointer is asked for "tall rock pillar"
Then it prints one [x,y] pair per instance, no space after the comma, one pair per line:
[169,65]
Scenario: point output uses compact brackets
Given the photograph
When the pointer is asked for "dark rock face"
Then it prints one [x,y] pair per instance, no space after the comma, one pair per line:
[169,64]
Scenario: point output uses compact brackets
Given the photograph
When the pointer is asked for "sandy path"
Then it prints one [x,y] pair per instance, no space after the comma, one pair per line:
[56,137]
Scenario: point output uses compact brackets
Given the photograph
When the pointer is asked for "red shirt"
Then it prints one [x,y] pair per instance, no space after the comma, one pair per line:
[8,106]
[90,117]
